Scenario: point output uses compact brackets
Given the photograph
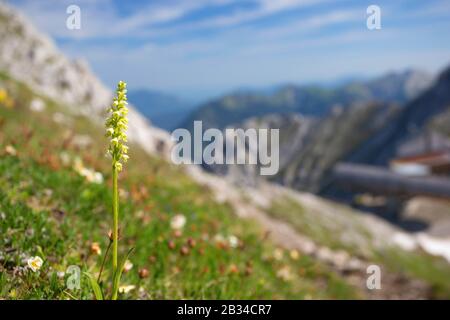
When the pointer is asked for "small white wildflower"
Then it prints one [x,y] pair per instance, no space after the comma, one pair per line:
[126,288]
[90,175]
[65,158]
[37,105]
[59,118]
[87,173]
[9,149]
[285,273]
[78,164]
[278,254]
[219,238]
[178,222]
[123,193]
[127,266]
[233,241]
[97,178]
[35,263]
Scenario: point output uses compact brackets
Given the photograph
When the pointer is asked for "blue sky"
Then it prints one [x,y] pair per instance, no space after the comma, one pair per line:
[199,48]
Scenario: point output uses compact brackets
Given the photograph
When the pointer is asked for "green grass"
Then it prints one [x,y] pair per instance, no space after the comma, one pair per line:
[323,230]
[433,270]
[48,209]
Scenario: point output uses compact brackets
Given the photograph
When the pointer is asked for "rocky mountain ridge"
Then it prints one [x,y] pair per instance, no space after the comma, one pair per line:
[310,100]
[420,116]
[367,133]
[32,57]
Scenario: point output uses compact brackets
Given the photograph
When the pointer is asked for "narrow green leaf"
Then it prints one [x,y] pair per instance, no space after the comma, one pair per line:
[95,287]
[118,275]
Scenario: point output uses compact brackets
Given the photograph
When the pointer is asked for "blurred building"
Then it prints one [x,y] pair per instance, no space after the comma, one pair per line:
[432,163]
[425,154]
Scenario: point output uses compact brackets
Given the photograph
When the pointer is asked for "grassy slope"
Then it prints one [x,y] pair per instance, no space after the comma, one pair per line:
[433,270]
[48,209]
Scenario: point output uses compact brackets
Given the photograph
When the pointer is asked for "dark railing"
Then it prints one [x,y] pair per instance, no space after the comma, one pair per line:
[380,180]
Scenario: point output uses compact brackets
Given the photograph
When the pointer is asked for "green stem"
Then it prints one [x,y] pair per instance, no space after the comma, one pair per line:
[103,262]
[115,226]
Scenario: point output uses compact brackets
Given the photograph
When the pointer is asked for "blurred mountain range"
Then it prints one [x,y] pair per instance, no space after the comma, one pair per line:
[309,100]
[378,119]
[371,133]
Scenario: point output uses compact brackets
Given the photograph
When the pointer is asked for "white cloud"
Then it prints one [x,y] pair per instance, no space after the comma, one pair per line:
[263,9]
[314,22]
[100,19]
